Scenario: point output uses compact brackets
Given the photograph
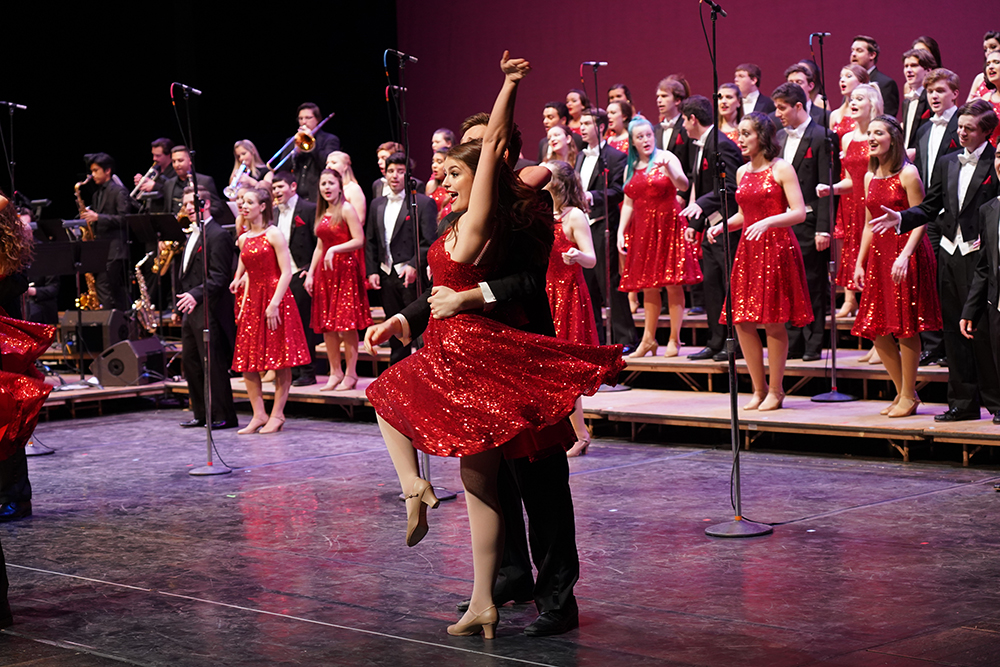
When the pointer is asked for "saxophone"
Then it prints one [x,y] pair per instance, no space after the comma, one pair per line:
[170,248]
[90,300]
[142,307]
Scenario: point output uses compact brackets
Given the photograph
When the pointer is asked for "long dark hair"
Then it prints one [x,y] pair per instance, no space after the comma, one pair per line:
[764,128]
[336,209]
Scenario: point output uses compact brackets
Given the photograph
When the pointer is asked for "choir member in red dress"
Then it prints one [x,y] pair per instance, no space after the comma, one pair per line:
[478,383]
[991,42]
[865,104]
[768,283]
[576,102]
[569,298]
[336,281]
[991,73]
[898,272]
[651,236]
[730,110]
[619,116]
[435,189]
[353,192]
[851,76]
[269,330]
[561,145]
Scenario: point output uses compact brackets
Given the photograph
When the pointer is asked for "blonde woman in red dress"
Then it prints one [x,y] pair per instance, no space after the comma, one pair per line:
[851,76]
[269,333]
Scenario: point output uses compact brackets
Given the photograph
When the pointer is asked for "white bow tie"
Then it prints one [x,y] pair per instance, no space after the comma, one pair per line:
[395,196]
[939,120]
[968,158]
[795,133]
[668,124]
[699,142]
[913,95]
[591,151]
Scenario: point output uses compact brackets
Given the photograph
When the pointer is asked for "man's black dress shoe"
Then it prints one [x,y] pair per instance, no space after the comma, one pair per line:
[996,417]
[222,426]
[724,356]
[704,353]
[551,623]
[927,358]
[628,349]
[956,415]
[943,362]
[194,423]
[14,510]
[304,381]
[696,310]
[812,356]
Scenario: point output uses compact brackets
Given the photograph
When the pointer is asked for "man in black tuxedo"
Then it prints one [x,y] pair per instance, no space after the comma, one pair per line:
[802,75]
[805,144]
[935,139]
[963,182]
[307,165]
[555,113]
[107,217]
[221,253]
[984,292]
[597,156]
[173,188]
[669,133]
[295,218]
[747,79]
[392,264]
[705,209]
[916,111]
[864,52]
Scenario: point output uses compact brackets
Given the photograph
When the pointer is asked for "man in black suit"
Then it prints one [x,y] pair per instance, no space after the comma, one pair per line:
[173,188]
[916,111]
[390,257]
[306,165]
[597,156]
[669,133]
[152,189]
[805,144]
[705,209]
[295,218]
[963,182]
[221,253]
[747,79]
[864,52]
[555,113]
[802,75]
[984,292]
[107,217]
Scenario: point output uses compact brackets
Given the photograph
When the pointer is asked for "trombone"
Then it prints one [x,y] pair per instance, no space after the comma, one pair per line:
[304,142]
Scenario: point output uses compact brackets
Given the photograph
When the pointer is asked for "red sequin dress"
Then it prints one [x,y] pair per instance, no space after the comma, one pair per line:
[339,299]
[769,278]
[733,135]
[22,389]
[258,348]
[657,255]
[845,125]
[886,308]
[443,201]
[477,383]
[851,212]
[569,298]
[619,144]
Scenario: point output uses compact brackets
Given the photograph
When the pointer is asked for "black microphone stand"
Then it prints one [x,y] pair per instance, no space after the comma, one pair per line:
[832,396]
[738,527]
[399,95]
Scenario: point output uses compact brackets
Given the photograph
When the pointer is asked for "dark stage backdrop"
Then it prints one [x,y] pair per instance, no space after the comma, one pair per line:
[97,79]
[459,46]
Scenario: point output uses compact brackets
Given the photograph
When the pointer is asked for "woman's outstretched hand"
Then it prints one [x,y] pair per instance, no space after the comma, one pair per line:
[515,68]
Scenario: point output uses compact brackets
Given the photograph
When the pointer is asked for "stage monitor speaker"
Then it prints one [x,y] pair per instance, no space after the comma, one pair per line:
[129,363]
[100,328]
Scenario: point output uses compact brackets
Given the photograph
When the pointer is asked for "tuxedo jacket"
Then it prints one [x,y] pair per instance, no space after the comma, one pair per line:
[764,104]
[812,163]
[702,176]
[379,183]
[174,188]
[302,239]
[677,142]
[222,257]
[949,143]
[111,204]
[890,91]
[614,160]
[920,118]
[817,113]
[401,243]
[985,289]
[943,194]
[543,146]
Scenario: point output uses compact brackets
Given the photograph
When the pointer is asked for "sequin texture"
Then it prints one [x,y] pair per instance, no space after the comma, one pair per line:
[477,383]
[569,298]
[257,347]
[22,389]
[851,212]
[845,125]
[657,254]
[339,299]
[769,279]
[886,308]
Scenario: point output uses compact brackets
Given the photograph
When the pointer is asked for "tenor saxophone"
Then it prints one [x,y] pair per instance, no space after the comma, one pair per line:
[170,248]
[89,300]
[142,306]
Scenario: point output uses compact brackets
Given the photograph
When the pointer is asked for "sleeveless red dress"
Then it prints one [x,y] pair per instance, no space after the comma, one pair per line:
[657,255]
[477,383]
[845,125]
[22,388]
[339,299]
[569,298]
[769,278]
[258,348]
[443,201]
[619,144]
[851,212]
[912,306]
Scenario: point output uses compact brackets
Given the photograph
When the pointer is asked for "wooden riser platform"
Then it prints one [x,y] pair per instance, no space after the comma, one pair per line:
[94,397]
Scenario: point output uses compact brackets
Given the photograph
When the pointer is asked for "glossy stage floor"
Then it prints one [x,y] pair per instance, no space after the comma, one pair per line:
[297,557]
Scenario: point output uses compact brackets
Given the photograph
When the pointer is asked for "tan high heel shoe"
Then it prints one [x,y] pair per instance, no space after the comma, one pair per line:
[486,621]
[643,349]
[579,448]
[332,383]
[673,349]
[755,401]
[848,310]
[349,382]
[772,403]
[888,409]
[252,427]
[905,407]
[280,421]
[416,513]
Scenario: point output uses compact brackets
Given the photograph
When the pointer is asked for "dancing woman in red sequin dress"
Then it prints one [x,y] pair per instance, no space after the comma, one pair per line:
[768,283]
[477,383]
[269,333]
[336,281]
[651,236]
[898,272]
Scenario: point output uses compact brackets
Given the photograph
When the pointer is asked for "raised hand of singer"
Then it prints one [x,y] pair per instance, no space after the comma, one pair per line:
[515,68]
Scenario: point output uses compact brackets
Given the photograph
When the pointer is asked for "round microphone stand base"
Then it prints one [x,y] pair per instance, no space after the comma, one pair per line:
[833,397]
[618,387]
[210,469]
[738,527]
[36,448]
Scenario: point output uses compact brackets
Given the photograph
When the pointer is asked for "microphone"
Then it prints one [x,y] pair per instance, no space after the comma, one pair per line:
[15,105]
[715,7]
[188,88]
[401,55]
[817,34]
[595,63]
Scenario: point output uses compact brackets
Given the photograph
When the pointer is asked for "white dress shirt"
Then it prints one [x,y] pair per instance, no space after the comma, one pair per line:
[939,125]
[793,137]
[192,243]
[913,97]
[750,101]
[967,166]
[286,218]
[590,156]
[392,207]
[668,127]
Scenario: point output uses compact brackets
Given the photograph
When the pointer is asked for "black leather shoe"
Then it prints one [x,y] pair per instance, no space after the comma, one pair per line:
[304,381]
[724,356]
[927,358]
[812,356]
[697,310]
[996,417]
[943,362]
[551,623]
[956,415]
[498,602]
[704,353]
[222,426]
[14,510]
[194,423]
[627,350]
